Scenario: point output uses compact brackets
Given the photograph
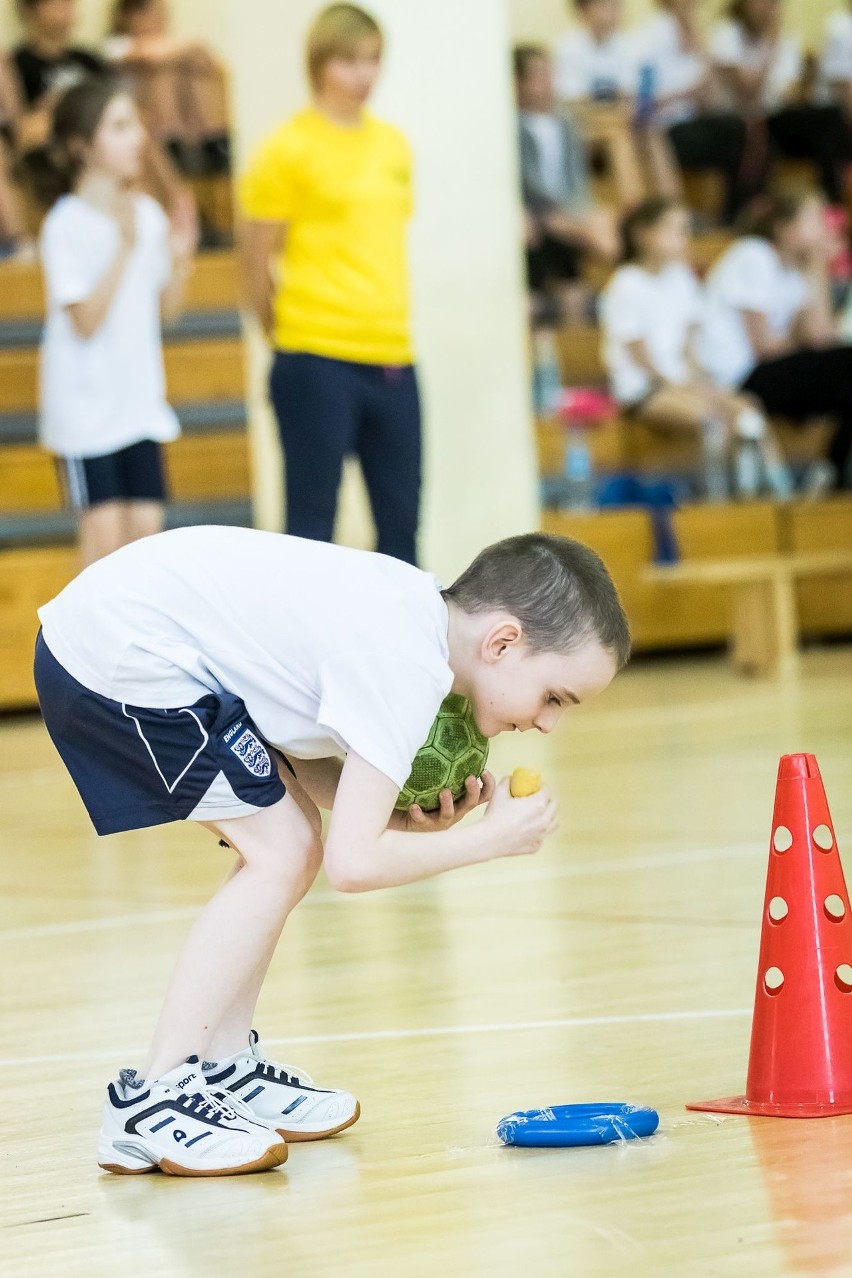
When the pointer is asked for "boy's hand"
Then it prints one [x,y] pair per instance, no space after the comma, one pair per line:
[477,790]
[519,826]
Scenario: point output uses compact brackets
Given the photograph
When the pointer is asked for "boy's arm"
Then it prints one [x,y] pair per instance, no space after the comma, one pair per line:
[319,778]
[362,853]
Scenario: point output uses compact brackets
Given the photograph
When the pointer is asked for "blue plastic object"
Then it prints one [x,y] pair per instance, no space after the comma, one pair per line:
[598,1124]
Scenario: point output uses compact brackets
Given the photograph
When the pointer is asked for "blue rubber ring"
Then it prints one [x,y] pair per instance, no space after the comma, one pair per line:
[599,1124]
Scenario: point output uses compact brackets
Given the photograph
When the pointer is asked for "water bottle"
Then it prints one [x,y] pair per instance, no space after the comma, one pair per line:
[715,445]
[748,468]
[547,380]
[646,93]
[579,480]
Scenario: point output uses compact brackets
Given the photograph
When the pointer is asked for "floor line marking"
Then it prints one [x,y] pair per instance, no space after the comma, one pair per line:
[432,1031]
[536,874]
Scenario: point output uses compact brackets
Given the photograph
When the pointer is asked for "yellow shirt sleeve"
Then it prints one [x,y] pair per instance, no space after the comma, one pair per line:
[268,189]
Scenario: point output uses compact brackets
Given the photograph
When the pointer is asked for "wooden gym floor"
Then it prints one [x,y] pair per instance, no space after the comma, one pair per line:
[618,964]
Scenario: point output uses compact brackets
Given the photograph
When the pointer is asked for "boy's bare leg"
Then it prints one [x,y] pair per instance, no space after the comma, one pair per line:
[236,931]
[232,1032]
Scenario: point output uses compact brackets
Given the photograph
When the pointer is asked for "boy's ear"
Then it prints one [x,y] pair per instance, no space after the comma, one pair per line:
[503,635]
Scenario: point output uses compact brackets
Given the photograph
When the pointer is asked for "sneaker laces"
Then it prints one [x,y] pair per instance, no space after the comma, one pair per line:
[208,1105]
[291,1075]
[240,1107]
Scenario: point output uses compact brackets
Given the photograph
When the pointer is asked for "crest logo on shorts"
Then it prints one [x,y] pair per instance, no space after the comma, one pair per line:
[252,754]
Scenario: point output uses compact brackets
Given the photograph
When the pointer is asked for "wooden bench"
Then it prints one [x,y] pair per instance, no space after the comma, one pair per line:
[764,626]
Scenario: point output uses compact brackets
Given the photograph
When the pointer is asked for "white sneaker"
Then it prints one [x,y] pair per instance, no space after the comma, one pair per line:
[176,1124]
[281,1095]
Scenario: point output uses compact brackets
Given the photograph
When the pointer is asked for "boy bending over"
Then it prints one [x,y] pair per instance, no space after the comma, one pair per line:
[244,679]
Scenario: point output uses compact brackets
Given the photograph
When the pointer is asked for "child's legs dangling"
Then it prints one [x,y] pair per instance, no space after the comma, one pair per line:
[223,960]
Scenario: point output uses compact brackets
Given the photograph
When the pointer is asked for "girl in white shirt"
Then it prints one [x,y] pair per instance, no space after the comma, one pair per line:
[760,68]
[112,266]
[651,312]
[768,329]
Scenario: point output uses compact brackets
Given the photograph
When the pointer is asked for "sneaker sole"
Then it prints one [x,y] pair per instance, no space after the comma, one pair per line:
[296,1137]
[274,1157]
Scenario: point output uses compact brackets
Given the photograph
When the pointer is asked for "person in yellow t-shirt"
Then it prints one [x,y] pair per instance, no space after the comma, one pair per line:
[326,201]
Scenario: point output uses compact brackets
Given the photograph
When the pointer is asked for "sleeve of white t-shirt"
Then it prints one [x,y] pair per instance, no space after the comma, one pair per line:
[69,273]
[747,277]
[382,708]
[726,44]
[624,307]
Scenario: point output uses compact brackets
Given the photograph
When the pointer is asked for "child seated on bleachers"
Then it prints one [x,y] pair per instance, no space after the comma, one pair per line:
[563,224]
[651,312]
[686,99]
[761,68]
[179,85]
[768,329]
[597,73]
[48,62]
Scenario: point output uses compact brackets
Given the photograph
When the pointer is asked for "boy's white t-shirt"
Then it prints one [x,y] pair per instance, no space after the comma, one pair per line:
[587,68]
[730,47]
[103,393]
[660,310]
[750,276]
[331,649]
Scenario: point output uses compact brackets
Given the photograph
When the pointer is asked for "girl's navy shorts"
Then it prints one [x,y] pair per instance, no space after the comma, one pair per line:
[135,766]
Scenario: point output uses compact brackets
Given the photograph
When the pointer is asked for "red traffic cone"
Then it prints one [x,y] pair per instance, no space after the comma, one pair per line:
[800,1063]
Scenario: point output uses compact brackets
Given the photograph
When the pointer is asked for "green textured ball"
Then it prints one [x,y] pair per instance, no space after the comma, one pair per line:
[455,750]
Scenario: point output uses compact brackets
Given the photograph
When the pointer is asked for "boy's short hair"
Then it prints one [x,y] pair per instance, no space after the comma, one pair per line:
[523,55]
[559,590]
[334,32]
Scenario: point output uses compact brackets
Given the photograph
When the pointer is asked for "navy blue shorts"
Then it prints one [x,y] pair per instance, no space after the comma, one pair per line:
[134,473]
[135,766]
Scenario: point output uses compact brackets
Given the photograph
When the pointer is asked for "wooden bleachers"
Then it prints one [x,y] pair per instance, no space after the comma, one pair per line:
[208,466]
[694,613]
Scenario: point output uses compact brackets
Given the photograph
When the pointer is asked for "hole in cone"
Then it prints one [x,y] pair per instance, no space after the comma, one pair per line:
[773,980]
[782,839]
[778,909]
[843,978]
[834,907]
[823,838]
